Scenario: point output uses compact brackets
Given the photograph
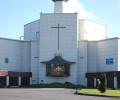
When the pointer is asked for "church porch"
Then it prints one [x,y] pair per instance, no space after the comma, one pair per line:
[113,79]
[10,78]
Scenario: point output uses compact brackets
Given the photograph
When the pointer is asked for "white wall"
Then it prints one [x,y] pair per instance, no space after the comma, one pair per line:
[118,54]
[35,62]
[18,53]
[49,43]
[92,31]
[32,31]
[107,49]
[26,56]
[23,56]
[92,56]
[82,62]
[13,50]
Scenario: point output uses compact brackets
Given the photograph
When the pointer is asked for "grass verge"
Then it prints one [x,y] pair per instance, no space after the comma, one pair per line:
[112,93]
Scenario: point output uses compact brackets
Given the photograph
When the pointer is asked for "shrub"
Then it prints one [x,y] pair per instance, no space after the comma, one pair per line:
[103,83]
[68,83]
[57,85]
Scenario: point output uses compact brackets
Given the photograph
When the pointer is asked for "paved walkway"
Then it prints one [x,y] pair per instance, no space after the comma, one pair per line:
[45,94]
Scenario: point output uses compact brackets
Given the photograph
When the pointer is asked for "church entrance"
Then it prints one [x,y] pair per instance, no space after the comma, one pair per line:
[3,80]
[10,78]
[110,82]
[13,81]
[90,82]
[25,81]
[118,82]
[111,76]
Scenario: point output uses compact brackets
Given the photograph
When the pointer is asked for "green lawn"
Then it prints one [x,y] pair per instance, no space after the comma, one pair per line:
[96,92]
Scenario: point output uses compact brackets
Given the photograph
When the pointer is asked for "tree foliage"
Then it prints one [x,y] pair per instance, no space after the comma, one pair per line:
[103,83]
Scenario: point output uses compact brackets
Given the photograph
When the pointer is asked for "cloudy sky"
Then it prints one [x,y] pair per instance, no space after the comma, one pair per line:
[15,13]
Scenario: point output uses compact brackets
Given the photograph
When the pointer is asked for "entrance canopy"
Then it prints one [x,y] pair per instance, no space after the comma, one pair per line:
[15,74]
[12,78]
[58,60]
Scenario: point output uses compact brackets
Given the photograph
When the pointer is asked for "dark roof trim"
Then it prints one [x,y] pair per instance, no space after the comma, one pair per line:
[15,74]
[58,75]
[59,0]
[57,59]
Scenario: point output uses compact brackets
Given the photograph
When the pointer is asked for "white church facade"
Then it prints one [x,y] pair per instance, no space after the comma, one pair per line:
[60,47]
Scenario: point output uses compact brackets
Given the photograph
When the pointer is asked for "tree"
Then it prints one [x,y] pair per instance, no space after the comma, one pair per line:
[103,83]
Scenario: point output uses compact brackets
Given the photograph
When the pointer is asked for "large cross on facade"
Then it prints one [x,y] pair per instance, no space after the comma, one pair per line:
[58,33]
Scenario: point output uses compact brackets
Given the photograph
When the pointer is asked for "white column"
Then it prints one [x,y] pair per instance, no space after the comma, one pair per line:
[86,82]
[115,82]
[94,82]
[7,81]
[19,81]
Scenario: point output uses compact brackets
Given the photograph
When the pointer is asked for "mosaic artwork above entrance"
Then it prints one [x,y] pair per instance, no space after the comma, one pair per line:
[58,67]
[58,70]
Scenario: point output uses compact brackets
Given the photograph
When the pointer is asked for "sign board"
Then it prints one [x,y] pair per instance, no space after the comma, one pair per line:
[6,60]
[109,61]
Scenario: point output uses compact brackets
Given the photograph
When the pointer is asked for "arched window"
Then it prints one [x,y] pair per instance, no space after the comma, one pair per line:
[6,60]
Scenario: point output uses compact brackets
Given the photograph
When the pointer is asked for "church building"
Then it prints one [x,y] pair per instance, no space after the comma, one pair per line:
[60,47]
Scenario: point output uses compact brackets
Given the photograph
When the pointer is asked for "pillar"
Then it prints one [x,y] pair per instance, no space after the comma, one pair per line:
[86,82]
[94,82]
[115,82]
[19,81]
[7,81]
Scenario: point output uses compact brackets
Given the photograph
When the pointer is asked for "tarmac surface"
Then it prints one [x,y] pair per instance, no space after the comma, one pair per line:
[45,94]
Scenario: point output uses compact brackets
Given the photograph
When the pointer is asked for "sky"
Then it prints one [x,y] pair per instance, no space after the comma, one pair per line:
[14,14]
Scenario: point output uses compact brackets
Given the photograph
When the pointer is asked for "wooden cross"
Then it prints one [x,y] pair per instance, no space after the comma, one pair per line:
[58,33]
